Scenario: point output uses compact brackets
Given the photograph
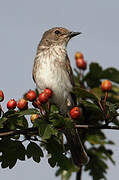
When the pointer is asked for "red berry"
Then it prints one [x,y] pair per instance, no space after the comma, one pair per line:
[33,117]
[106,85]
[75,112]
[48,92]
[11,104]
[43,98]
[79,55]
[1,96]
[31,95]
[22,104]
[81,63]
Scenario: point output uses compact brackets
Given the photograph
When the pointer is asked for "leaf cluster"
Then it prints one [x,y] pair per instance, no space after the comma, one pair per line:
[21,139]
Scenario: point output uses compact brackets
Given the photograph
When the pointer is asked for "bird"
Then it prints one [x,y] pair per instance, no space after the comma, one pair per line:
[52,69]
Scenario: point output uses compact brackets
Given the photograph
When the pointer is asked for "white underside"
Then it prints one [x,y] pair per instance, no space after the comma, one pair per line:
[54,77]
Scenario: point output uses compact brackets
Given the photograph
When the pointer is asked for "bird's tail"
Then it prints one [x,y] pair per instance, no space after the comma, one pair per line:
[79,156]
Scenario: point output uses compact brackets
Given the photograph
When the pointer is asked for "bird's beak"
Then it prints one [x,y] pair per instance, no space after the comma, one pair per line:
[72,34]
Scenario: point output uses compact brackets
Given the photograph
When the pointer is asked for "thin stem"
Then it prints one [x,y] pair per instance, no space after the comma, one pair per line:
[97,127]
[105,98]
[78,174]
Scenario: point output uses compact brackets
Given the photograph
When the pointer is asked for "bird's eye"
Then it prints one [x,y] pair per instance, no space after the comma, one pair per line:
[57,32]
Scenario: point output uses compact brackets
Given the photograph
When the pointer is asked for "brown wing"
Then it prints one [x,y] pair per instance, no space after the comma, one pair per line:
[34,70]
[69,70]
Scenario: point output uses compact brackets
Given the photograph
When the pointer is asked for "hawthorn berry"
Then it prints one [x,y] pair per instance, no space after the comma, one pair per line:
[1,96]
[79,55]
[33,117]
[81,63]
[22,104]
[106,85]
[11,104]
[31,95]
[75,112]
[43,97]
[48,92]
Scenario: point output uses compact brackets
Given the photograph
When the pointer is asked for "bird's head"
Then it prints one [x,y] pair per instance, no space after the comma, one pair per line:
[57,36]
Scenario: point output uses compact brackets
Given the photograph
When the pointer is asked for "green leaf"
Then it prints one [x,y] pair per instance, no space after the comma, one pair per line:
[53,109]
[66,174]
[107,152]
[52,162]
[93,76]
[61,160]
[58,121]
[34,151]
[27,112]
[97,167]
[42,126]
[11,151]
[64,162]
[12,163]
[86,94]
[54,146]
[49,131]
[21,122]
[98,92]
[2,120]
[91,106]
[11,113]
[111,74]
[97,139]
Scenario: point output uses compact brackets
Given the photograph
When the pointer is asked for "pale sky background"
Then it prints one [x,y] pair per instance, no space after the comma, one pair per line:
[21,26]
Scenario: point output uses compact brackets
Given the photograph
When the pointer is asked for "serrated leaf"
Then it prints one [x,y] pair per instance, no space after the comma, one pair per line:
[54,146]
[27,112]
[9,113]
[42,126]
[111,74]
[5,162]
[11,151]
[19,113]
[12,163]
[34,151]
[52,162]
[21,122]
[21,151]
[49,131]
[90,105]
[54,109]
[2,120]
[98,92]
[66,174]
[93,76]
[98,170]
[86,94]
[97,140]
[64,162]
[107,152]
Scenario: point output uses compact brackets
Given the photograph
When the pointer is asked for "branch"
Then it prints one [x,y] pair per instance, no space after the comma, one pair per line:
[97,127]
[28,131]
[34,130]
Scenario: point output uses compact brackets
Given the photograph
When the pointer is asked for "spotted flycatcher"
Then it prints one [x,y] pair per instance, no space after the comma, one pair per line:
[52,70]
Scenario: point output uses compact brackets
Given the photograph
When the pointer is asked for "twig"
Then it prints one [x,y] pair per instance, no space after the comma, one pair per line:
[34,130]
[78,174]
[21,131]
[97,127]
